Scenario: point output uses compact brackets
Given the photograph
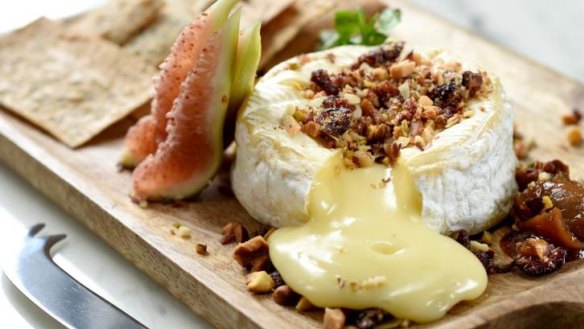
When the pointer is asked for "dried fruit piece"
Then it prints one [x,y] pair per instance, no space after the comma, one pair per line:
[550,225]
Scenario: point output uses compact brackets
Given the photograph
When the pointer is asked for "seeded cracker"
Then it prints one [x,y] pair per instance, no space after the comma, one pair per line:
[277,34]
[154,42]
[73,87]
[119,20]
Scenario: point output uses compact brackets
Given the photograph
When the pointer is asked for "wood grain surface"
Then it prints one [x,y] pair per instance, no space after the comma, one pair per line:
[87,184]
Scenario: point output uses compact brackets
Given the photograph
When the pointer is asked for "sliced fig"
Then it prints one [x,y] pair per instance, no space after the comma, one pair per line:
[142,139]
[191,153]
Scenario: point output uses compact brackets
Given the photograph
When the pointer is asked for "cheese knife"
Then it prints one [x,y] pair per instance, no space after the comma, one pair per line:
[32,270]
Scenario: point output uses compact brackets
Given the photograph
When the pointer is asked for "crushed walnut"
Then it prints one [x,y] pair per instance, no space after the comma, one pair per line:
[234,232]
[201,249]
[386,101]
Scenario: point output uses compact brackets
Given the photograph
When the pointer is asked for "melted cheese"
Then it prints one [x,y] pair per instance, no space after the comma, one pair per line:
[366,246]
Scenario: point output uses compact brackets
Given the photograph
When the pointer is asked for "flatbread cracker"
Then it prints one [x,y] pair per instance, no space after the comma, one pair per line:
[277,34]
[73,87]
[119,20]
[153,44]
[308,37]
[262,10]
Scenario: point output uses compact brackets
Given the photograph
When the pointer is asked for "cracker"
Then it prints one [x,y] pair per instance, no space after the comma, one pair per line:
[262,10]
[154,43]
[119,20]
[277,34]
[72,86]
[308,38]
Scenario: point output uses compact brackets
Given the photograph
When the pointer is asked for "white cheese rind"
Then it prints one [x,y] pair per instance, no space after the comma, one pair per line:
[465,176]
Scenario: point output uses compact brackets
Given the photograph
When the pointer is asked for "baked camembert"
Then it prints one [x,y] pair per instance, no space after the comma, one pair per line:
[363,156]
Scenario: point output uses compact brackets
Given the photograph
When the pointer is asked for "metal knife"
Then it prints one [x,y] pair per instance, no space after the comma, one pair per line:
[33,272]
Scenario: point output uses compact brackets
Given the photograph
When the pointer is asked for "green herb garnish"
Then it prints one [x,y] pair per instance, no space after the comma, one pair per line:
[352,28]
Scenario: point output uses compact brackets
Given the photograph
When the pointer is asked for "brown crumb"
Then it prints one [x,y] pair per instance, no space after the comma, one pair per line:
[201,249]
[234,232]
[573,118]
[575,136]
[285,296]
[253,254]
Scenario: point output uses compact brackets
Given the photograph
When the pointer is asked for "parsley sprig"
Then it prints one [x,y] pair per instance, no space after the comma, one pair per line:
[352,28]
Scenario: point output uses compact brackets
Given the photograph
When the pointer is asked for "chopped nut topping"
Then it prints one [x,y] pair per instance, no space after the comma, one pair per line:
[253,254]
[402,69]
[201,249]
[385,102]
[291,126]
[259,282]
[285,296]
[334,318]
[575,137]
[572,118]
[234,232]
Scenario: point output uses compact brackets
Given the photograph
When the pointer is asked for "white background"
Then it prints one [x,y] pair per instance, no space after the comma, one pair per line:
[551,32]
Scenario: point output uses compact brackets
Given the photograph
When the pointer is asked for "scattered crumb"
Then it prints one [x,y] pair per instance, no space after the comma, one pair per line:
[572,118]
[184,232]
[201,249]
[575,137]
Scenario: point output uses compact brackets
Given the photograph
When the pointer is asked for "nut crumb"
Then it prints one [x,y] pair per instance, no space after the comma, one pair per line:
[201,249]
[334,318]
[285,296]
[183,232]
[573,118]
[253,254]
[575,137]
[234,232]
[259,282]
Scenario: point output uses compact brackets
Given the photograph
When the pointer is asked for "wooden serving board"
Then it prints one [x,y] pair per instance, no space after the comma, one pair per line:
[87,184]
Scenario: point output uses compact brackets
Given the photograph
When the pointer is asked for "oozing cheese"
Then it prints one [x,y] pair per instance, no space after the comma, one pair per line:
[366,246]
